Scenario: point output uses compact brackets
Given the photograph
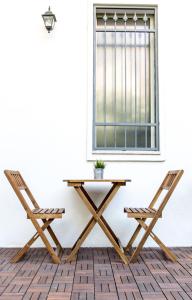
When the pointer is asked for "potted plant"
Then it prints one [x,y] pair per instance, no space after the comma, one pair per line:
[98,170]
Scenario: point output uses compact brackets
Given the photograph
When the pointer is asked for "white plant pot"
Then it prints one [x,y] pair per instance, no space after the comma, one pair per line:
[98,173]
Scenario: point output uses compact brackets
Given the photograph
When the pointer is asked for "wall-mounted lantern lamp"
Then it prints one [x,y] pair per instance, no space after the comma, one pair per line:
[49,20]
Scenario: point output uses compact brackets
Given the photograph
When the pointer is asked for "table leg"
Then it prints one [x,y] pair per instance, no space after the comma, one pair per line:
[98,218]
[113,239]
[81,239]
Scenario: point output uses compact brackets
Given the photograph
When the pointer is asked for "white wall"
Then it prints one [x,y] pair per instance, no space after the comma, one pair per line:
[43,122]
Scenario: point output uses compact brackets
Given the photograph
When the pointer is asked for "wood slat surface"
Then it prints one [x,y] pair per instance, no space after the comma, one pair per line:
[48,210]
[96,274]
[97,180]
[80,182]
[140,212]
[48,213]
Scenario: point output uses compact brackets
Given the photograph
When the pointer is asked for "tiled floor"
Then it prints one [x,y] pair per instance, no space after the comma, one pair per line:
[97,274]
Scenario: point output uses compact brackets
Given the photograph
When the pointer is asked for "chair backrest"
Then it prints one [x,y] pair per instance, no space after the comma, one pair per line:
[168,185]
[18,184]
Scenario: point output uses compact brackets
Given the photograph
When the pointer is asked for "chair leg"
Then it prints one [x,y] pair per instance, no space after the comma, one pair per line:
[20,254]
[81,239]
[54,238]
[51,251]
[167,251]
[132,239]
[24,250]
[39,233]
[136,252]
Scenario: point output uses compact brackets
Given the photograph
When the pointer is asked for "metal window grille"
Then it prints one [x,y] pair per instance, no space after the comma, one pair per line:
[125,115]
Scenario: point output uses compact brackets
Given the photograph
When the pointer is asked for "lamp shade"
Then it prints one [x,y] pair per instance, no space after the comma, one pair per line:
[49,20]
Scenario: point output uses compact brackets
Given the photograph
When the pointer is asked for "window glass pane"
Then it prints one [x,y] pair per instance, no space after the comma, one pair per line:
[100,137]
[100,78]
[110,77]
[120,77]
[110,136]
[120,137]
[130,82]
[151,102]
[130,137]
[141,137]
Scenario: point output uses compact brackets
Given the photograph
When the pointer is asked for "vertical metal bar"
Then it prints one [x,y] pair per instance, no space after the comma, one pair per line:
[105,80]
[135,20]
[145,45]
[131,80]
[140,73]
[156,82]
[125,79]
[94,143]
[115,18]
[125,46]
[150,99]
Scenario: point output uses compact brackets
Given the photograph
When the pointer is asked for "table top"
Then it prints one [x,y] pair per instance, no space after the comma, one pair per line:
[97,180]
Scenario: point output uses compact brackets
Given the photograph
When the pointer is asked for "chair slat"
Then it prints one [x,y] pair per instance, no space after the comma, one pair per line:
[49,211]
[18,180]
[55,210]
[145,210]
[134,210]
[140,212]
[150,210]
[43,211]
[37,210]
[61,210]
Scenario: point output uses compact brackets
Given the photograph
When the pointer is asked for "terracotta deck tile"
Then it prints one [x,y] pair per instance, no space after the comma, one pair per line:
[96,274]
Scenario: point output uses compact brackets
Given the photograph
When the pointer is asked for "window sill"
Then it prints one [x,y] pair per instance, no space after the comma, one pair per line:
[140,156]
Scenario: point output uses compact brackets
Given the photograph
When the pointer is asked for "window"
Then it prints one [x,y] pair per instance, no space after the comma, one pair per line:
[125,108]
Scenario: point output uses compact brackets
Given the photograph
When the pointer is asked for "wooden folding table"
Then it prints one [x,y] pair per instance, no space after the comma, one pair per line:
[97,212]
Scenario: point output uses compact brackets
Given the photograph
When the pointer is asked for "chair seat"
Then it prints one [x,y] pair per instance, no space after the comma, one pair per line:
[48,213]
[140,212]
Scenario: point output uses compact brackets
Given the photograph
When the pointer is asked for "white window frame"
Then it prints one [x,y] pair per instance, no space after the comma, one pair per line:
[108,155]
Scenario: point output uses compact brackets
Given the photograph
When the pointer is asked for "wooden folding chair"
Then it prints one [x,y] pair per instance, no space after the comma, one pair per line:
[142,214]
[47,215]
